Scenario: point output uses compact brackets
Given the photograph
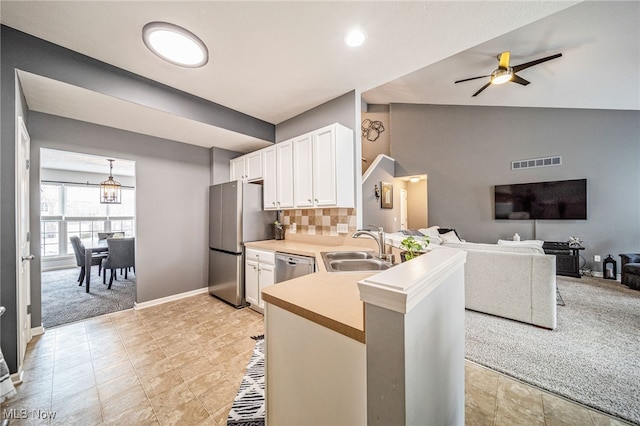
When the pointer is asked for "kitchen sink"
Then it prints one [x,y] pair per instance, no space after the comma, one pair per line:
[353,261]
[340,255]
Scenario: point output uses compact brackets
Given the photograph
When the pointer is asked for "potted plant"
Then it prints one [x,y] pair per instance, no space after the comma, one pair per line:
[413,247]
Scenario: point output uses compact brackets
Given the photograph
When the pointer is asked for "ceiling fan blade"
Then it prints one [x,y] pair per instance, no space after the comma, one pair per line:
[504,60]
[472,78]
[536,62]
[481,89]
[519,80]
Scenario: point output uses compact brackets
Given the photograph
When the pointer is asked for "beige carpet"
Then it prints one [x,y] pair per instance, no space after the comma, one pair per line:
[592,357]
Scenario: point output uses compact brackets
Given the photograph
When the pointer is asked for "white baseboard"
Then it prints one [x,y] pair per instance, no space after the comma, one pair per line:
[16,378]
[36,331]
[162,300]
[600,275]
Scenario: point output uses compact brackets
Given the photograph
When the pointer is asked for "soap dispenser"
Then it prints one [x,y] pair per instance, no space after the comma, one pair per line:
[516,237]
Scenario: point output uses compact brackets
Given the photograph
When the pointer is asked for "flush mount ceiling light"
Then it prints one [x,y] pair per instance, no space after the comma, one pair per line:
[175,44]
[355,38]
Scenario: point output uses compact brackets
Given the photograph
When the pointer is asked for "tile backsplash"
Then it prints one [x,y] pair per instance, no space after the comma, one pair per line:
[319,221]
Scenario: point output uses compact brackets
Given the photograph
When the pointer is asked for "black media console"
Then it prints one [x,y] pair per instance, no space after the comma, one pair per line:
[567,257]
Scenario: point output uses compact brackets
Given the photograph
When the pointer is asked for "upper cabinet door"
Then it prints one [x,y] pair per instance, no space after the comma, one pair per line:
[237,169]
[253,166]
[324,167]
[303,171]
[269,166]
[284,171]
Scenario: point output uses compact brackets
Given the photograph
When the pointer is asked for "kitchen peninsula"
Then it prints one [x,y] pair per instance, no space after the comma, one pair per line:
[406,366]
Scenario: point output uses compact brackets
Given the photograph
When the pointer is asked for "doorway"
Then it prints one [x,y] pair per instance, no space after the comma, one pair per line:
[70,206]
[403,209]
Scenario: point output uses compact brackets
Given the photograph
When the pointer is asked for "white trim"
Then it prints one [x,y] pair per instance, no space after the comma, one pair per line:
[37,331]
[601,275]
[16,378]
[171,298]
[401,288]
[373,165]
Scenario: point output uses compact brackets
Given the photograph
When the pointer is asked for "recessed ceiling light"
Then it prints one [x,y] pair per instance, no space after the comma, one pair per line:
[355,38]
[175,44]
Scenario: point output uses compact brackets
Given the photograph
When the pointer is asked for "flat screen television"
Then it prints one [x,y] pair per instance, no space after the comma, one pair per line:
[557,200]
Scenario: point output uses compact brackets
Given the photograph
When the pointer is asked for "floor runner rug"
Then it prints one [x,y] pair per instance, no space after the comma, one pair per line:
[249,405]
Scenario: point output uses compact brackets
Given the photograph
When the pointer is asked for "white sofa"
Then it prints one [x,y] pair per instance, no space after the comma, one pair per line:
[511,281]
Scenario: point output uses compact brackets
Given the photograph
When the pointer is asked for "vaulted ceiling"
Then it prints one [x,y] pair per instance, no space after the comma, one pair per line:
[274,60]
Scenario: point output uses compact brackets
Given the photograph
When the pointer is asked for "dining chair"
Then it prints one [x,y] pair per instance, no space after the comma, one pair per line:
[79,249]
[114,234]
[121,256]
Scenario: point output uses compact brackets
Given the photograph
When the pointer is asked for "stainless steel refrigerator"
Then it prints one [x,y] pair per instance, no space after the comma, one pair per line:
[236,216]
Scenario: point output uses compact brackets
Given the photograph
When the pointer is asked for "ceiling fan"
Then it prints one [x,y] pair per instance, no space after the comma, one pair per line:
[505,73]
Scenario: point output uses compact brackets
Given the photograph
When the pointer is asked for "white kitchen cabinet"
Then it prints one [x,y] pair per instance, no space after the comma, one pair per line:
[236,169]
[277,165]
[247,168]
[259,274]
[302,171]
[324,169]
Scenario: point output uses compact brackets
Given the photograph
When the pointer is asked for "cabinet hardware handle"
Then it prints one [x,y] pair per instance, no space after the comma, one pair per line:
[309,200]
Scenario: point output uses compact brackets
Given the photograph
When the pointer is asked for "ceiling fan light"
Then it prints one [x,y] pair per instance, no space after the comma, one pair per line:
[175,44]
[501,76]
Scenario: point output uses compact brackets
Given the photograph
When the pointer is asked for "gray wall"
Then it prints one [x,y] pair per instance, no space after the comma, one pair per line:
[24,52]
[467,150]
[172,181]
[341,110]
[372,213]
[220,166]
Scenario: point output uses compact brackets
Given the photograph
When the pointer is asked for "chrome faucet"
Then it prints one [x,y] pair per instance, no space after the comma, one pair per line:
[377,236]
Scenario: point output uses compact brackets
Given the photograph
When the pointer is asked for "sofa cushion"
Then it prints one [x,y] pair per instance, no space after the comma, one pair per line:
[432,233]
[632,268]
[538,243]
[530,248]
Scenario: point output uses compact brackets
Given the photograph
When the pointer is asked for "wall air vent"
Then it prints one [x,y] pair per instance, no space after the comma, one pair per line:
[536,162]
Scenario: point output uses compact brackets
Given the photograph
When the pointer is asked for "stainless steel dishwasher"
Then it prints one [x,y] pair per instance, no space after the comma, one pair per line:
[289,266]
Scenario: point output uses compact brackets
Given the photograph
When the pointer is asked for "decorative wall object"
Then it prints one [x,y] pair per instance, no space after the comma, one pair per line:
[371,129]
[386,201]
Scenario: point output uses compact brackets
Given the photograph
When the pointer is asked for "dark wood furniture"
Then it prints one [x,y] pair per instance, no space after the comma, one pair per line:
[567,257]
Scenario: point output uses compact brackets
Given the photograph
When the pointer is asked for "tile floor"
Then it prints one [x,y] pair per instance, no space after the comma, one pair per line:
[181,363]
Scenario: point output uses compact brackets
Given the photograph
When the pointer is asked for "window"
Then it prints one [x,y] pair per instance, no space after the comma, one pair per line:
[74,210]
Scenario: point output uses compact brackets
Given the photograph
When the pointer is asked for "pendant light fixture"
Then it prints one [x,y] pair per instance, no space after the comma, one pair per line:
[110,189]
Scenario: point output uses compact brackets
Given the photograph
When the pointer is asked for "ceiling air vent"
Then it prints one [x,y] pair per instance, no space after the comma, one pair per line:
[536,162]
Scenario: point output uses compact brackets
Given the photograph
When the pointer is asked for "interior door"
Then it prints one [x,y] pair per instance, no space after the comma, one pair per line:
[403,209]
[23,237]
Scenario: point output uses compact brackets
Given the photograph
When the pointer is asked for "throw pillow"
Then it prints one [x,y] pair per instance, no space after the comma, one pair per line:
[447,230]
[450,237]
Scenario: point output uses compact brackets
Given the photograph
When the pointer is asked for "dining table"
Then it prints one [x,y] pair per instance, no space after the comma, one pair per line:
[100,247]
